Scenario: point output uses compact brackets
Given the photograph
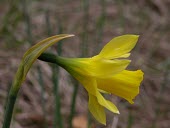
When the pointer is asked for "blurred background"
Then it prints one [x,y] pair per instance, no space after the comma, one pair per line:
[50,97]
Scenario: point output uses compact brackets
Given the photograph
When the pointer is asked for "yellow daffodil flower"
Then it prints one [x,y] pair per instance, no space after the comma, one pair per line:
[106,72]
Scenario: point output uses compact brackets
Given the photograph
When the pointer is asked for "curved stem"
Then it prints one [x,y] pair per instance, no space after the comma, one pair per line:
[49,57]
[12,96]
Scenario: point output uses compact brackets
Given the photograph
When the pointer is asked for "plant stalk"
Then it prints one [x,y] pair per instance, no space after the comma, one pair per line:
[9,110]
[12,96]
[58,116]
[41,82]
[73,103]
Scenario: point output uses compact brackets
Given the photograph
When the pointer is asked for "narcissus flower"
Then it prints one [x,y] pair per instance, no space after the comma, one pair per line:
[106,72]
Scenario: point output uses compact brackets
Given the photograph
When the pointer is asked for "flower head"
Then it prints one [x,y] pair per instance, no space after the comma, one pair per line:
[106,72]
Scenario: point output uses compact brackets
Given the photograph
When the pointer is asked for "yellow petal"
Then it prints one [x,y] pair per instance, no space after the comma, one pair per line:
[105,67]
[96,109]
[89,83]
[95,98]
[107,104]
[125,84]
[125,55]
[118,47]
[102,91]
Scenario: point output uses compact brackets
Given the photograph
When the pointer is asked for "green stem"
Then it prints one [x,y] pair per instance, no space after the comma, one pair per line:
[27,21]
[100,26]
[84,47]
[130,119]
[52,58]
[9,110]
[12,96]
[89,120]
[47,21]
[58,117]
[73,103]
[41,82]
